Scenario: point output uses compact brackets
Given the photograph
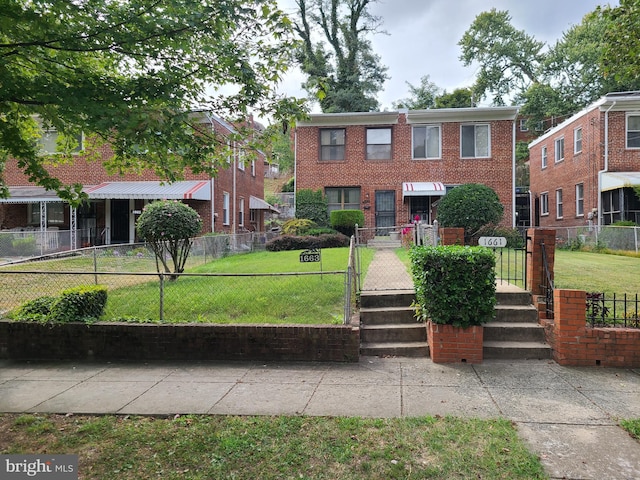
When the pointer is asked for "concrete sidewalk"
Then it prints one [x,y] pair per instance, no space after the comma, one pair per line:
[568,416]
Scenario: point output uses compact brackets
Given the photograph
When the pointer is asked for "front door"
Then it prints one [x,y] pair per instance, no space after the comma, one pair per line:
[385,209]
[120,221]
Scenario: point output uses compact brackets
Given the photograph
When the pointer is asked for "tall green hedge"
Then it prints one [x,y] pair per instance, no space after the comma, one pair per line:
[345,221]
[454,285]
[313,206]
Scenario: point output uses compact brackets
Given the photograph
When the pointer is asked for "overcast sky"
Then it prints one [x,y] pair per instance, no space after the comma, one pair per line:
[423,37]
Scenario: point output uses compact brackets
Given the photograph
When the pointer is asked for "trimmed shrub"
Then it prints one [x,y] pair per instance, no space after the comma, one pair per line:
[314,232]
[297,226]
[515,239]
[37,310]
[292,242]
[345,221]
[313,206]
[79,304]
[454,285]
[25,247]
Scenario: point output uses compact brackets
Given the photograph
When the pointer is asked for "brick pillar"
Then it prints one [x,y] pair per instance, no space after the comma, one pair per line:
[451,236]
[570,325]
[536,237]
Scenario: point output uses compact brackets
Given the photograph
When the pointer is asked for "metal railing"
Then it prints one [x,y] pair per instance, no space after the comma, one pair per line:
[611,310]
[547,283]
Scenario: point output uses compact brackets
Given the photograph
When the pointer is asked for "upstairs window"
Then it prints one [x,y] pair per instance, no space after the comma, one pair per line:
[544,203]
[225,208]
[52,142]
[559,149]
[378,143]
[633,131]
[426,141]
[474,141]
[577,140]
[332,141]
[544,157]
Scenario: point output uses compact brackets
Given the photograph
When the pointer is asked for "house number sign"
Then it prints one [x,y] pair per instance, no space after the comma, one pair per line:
[311,255]
[492,242]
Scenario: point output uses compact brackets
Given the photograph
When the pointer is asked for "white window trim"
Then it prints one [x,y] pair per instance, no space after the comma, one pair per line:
[626,131]
[226,208]
[578,198]
[241,213]
[544,213]
[426,155]
[559,204]
[53,131]
[241,159]
[475,148]
[556,150]
[544,157]
[575,140]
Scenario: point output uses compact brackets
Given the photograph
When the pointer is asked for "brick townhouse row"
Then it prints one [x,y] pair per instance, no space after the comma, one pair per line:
[583,171]
[229,203]
[396,166]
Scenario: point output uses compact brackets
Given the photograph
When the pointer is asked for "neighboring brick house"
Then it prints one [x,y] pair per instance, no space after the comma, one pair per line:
[397,165]
[229,203]
[583,171]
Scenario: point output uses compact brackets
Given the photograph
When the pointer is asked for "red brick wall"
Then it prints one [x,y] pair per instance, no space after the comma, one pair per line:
[449,344]
[373,175]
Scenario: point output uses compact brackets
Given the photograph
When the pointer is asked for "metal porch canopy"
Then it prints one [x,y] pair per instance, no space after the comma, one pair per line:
[615,180]
[184,190]
[256,203]
[423,189]
[30,194]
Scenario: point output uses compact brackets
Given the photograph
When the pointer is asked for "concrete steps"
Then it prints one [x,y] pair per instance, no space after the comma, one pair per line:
[515,332]
[388,326]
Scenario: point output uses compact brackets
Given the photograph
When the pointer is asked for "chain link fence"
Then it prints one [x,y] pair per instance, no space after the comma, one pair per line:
[598,238]
[138,293]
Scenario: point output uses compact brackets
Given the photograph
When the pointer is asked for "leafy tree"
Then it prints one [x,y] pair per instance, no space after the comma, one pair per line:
[280,150]
[620,58]
[421,97]
[343,71]
[128,73]
[169,227]
[470,206]
[459,98]
[313,206]
[522,169]
[509,59]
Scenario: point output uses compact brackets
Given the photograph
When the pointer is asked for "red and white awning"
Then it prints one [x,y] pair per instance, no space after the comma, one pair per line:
[423,189]
[185,190]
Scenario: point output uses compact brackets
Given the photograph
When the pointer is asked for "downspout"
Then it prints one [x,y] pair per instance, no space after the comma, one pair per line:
[212,182]
[235,172]
[295,166]
[606,161]
[513,177]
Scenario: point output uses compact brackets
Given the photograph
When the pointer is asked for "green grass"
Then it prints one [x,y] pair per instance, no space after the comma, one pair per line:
[206,447]
[632,426]
[595,272]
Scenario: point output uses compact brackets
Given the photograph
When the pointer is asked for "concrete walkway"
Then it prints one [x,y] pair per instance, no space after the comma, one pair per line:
[568,416]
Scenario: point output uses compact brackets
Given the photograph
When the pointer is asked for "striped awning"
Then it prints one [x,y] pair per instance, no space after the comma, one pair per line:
[423,189]
[256,203]
[185,190]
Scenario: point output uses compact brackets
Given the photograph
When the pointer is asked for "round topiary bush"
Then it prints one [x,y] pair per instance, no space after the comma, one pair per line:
[169,227]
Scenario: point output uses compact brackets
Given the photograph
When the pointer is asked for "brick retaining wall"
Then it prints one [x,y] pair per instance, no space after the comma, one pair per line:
[124,341]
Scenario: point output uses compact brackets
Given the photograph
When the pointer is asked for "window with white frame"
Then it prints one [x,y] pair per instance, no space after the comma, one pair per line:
[559,212]
[580,200]
[523,125]
[230,152]
[52,142]
[55,213]
[559,149]
[426,141]
[253,167]
[241,159]
[544,203]
[332,143]
[225,208]
[474,141]
[544,157]
[241,213]
[379,143]
[633,131]
[577,140]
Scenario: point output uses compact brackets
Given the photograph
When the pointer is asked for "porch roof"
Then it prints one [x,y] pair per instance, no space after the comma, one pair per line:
[615,180]
[30,194]
[256,203]
[185,190]
[423,189]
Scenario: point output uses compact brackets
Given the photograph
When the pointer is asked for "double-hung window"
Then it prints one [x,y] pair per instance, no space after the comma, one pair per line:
[475,141]
[379,143]
[544,157]
[559,212]
[544,203]
[332,143]
[579,200]
[577,140]
[225,208]
[559,149]
[426,141]
[52,142]
[633,131]
[241,213]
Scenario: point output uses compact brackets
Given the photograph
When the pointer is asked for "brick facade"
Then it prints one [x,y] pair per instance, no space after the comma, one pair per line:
[371,176]
[604,150]
[240,184]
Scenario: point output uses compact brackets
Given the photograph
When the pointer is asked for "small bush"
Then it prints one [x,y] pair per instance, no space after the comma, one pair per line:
[298,226]
[313,206]
[454,285]
[514,237]
[345,221]
[292,242]
[37,310]
[79,304]
[25,247]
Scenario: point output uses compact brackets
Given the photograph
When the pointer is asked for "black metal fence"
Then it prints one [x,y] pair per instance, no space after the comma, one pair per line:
[611,310]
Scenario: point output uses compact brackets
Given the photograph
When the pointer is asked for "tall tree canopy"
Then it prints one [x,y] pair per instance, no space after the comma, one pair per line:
[421,97]
[128,74]
[342,70]
[620,57]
